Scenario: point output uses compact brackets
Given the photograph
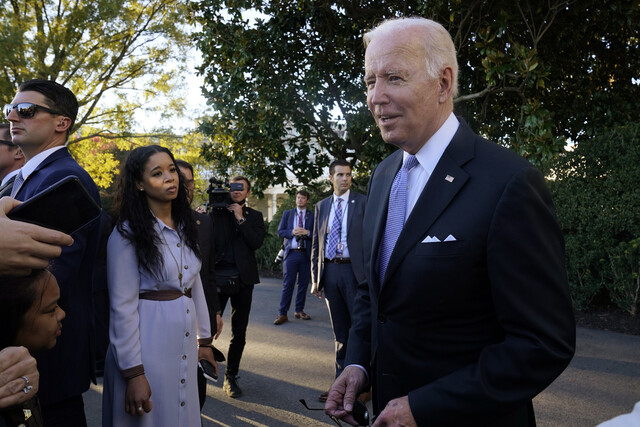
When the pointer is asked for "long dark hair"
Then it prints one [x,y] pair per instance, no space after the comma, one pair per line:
[131,205]
[17,295]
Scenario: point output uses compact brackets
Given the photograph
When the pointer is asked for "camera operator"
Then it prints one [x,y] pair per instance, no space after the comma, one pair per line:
[238,232]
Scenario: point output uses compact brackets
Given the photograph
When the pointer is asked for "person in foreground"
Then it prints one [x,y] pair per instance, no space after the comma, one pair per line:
[30,318]
[157,300]
[43,115]
[465,315]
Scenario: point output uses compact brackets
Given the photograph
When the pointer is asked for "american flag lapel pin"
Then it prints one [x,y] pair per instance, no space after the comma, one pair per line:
[449,178]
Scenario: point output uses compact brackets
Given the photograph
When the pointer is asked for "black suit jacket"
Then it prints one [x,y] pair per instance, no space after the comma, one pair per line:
[355,214]
[245,238]
[206,245]
[5,190]
[66,369]
[473,328]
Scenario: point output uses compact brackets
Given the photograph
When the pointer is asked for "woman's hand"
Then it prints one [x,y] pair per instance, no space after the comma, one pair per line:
[137,399]
[206,353]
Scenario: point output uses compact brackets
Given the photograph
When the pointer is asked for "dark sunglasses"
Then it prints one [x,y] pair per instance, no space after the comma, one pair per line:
[26,110]
[360,413]
[7,142]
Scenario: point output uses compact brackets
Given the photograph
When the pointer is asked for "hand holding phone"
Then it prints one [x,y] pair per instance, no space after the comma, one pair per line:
[208,370]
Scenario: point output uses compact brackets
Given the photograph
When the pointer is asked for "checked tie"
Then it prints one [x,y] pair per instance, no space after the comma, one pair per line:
[395,213]
[336,230]
[300,224]
[17,183]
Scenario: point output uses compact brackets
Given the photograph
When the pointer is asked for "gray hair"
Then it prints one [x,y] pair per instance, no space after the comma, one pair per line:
[439,50]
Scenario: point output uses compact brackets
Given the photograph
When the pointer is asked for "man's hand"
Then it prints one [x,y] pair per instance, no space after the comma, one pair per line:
[236,209]
[16,363]
[397,413]
[343,393]
[315,290]
[219,325]
[24,246]
[300,231]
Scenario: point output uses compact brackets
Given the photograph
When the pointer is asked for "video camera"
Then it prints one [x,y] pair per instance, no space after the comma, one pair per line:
[219,194]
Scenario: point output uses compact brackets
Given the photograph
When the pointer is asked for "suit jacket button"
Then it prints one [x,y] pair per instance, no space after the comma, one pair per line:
[382,318]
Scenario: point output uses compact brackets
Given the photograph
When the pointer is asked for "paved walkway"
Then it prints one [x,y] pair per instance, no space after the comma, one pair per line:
[283,364]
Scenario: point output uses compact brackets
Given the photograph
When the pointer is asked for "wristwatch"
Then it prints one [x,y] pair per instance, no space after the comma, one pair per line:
[241,220]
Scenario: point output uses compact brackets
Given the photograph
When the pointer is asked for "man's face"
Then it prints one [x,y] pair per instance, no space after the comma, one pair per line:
[35,134]
[6,152]
[238,196]
[341,179]
[188,179]
[301,201]
[404,102]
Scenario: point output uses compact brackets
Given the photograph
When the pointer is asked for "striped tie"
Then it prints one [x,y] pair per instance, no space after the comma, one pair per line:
[334,234]
[395,214]
[17,183]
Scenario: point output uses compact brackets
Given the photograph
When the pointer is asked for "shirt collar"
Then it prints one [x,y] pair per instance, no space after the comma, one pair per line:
[429,155]
[35,161]
[8,176]
[344,197]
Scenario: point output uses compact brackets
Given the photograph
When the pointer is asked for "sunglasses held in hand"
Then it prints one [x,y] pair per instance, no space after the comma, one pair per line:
[360,413]
[26,110]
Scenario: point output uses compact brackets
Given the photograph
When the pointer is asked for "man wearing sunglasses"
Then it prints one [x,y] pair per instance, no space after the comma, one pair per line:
[42,115]
[11,160]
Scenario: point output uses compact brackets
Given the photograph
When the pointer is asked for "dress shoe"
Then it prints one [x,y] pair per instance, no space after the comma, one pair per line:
[323,396]
[302,315]
[231,386]
[281,319]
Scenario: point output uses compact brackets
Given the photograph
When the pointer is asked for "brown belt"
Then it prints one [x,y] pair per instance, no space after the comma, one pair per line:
[168,295]
[338,260]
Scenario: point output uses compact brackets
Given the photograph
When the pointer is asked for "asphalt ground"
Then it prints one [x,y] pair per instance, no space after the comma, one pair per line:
[286,363]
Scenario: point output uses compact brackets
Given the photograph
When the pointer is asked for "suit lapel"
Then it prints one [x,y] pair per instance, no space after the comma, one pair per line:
[445,182]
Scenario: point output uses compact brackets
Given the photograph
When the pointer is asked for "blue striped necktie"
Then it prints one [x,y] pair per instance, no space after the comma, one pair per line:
[395,214]
[334,233]
[17,183]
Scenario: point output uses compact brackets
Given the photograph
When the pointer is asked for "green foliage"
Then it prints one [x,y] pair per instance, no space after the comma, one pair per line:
[113,54]
[288,94]
[597,200]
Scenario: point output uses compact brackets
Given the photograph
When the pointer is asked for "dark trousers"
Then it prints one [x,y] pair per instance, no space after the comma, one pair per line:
[296,264]
[240,309]
[66,413]
[340,291]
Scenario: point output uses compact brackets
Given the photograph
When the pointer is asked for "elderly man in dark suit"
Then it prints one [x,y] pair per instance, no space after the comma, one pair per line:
[336,254]
[465,314]
[42,115]
[296,228]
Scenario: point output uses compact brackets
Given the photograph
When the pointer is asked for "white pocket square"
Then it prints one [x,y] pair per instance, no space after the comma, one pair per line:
[434,239]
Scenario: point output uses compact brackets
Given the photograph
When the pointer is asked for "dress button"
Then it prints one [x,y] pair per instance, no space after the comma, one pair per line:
[181,403]
[178,245]
[187,311]
[186,267]
[182,381]
[187,334]
[184,357]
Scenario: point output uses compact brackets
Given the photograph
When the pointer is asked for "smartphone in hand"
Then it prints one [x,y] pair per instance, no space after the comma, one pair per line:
[208,370]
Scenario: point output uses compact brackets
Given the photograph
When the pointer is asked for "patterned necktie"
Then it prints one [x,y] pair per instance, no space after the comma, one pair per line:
[395,214]
[17,183]
[336,230]
[300,224]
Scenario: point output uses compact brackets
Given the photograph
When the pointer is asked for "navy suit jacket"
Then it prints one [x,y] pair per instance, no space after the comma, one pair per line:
[355,214]
[66,369]
[470,329]
[288,222]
